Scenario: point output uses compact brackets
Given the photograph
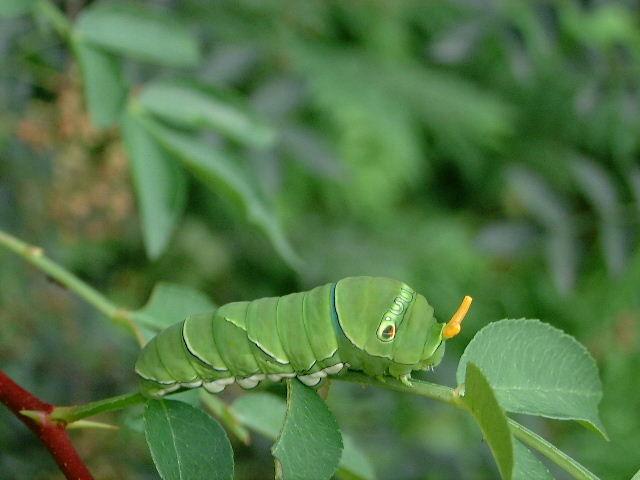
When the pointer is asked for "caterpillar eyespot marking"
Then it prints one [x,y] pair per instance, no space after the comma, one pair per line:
[375,325]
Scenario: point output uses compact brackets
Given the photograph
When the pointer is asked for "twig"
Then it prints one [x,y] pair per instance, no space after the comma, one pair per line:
[450,396]
[35,256]
[76,412]
[51,434]
[50,12]
[230,420]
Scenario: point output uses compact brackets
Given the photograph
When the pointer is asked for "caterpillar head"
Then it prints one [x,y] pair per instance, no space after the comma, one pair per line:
[393,324]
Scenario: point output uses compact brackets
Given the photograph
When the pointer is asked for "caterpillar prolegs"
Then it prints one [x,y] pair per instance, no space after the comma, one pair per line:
[376,325]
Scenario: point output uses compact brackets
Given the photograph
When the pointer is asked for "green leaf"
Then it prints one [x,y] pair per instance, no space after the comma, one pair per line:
[633,177]
[170,303]
[186,443]
[224,178]
[14,8]
[548,208]
[527,466]
[599,189]
[264,413]
[354,464]
[160,186]
[194,108]
[310,445]
[537,369]
[261,412]
[140,33]
[104,87]
[483,405]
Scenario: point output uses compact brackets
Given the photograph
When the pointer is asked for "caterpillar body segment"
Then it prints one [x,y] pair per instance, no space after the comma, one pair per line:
[376,325]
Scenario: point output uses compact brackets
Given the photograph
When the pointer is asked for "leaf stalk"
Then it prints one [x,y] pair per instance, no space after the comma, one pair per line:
[35,255]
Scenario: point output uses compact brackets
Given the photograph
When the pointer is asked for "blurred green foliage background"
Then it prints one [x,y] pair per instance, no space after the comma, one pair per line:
[487,148]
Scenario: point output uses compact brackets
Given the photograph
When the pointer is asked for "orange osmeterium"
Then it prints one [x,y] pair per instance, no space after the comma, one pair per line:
[452,328]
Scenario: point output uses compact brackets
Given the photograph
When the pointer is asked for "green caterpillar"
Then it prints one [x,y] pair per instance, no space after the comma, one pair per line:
[375,325]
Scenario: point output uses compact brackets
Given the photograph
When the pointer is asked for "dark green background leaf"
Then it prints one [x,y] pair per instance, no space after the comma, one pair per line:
[170,303]
[160,184]
[194,108]
[141,33]
[225,178]
[13,8]
[104,87]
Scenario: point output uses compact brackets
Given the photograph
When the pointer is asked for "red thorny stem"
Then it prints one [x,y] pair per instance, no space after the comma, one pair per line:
[52,434]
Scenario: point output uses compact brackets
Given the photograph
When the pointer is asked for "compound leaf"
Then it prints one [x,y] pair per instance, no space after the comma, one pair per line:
[141,33]
[225,178]
[190,107]
[160,185]
[104,88]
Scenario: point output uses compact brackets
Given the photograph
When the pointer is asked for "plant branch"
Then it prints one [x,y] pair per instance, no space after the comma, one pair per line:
[52,14]
[222,411]
[418,387]
[51,434]
[73,413]
[35,256]
[451,396]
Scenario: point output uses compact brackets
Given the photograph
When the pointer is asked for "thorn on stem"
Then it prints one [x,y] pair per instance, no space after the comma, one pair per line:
[37,416]
[34,251]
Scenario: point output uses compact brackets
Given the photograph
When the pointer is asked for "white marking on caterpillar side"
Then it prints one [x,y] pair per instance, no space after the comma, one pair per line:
[319,374]
[192,351]
[170,389]
[268,352]
[332,370]
[226,381]
[310,380]
[249,382]
[194,384]
[214,387]
[274,377]
[155,380]
[329,356]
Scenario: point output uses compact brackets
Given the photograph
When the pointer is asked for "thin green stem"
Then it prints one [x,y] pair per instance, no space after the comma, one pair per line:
[74,413]
[52,14]
[564,461]
[451,396]
[77,412]
[35,256]
[222,411]
[417,387]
